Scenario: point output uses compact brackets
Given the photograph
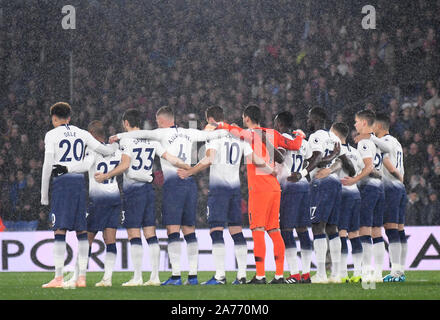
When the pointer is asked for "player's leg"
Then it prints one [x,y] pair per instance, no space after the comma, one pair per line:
[240,250]
[192,248]
[217,208]
[235,223]
[218,254]
[257,204]
[289,204]
[331,229]
[302,225]
[335,251]
[355,241]
[306,252]
[174,249]
[136,255]
[377,237]
[402,235]
[149,231]
[154,254]
[109,236]
[369,198]
[59,250]
[189,231]
[343,273]
[274,232]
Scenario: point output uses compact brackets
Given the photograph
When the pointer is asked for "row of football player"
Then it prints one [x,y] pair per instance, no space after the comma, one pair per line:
[218,219]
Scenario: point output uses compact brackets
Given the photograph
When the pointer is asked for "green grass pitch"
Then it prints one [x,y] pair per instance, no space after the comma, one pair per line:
[420,285]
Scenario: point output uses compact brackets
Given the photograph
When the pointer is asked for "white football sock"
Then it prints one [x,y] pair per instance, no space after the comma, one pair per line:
[379,254]
[320,246]
[192,249]
[403,252]
[109,263]
[367,256]
[83,256]
[292,260]
[218,253]
[174,252]
[343,265]
[241,256]
[306,260]
[394,249]
[335,254]
[154,251]
[59,250]
[136,251]
[357,263]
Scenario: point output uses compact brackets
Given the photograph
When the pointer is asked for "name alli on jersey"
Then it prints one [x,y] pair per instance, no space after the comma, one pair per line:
[178,135]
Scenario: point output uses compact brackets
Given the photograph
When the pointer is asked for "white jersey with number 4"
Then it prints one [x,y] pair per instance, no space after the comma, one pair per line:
[225,168]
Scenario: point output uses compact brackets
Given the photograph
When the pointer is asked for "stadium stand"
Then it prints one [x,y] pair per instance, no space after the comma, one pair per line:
[192,54]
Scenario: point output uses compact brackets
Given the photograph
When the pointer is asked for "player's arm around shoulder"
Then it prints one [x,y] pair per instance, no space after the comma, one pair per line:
[204,163]
[121,168]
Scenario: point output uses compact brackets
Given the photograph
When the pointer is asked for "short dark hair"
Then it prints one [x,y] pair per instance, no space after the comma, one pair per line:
[165,110]
[253,112]
[368,115]
[133,117]
[216,112]
[61,109]
[319,113]
[384,119]
[96,128]
[285,118]
[341,128]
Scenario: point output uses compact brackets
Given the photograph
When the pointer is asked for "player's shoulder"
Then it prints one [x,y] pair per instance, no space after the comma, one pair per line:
[365,145]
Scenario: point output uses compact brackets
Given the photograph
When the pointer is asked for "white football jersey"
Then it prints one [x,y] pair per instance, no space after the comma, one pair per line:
[324,142]
[99,163]
[294,161]
[356,159]
[176,141]
[142,153]
[367,149]
[394,151]
[67,143]
[225,168]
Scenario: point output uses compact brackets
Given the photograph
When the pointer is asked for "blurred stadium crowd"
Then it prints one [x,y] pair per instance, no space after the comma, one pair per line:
[282,55]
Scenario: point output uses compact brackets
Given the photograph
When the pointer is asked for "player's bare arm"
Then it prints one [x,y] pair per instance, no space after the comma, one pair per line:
[325,172]
[392,169]
[329,158]
[313,161]
[200,166]
[122,167]
[368,168]
[175,161]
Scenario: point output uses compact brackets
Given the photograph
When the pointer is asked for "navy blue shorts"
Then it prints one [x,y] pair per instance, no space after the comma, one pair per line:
[349,216]
[68,203]
[325,200]
[295,206]
[395,203]
[372,206]
[179,204]
[139,207]
[224,207]
[104,213]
